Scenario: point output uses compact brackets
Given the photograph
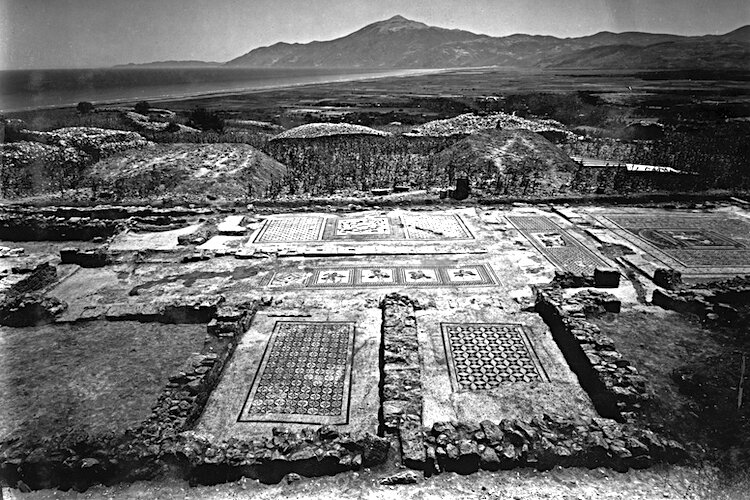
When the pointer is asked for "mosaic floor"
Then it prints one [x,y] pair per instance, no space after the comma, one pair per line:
[564,251]
[485,355]
[414,276]
[368,228]
[690,242]
[304,376]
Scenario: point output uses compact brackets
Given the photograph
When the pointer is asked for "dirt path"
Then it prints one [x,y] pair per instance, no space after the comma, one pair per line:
[557,484]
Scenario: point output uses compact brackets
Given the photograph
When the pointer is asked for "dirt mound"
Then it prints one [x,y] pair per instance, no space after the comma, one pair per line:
[470,123]
[41,162]
[145,123]
[224,171]
[97,142]
[313,130]
[508,162]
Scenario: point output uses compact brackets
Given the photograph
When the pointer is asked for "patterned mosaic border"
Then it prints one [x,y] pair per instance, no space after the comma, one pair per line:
[304,375]
[384,276]
[687,256]
[415,227]
[552,241]
[483,356]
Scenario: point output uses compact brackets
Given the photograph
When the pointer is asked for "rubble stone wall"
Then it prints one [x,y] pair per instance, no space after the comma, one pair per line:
[612,382]
[717,302]
[401,375]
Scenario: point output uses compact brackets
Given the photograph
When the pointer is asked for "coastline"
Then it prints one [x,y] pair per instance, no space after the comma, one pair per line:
[176,97]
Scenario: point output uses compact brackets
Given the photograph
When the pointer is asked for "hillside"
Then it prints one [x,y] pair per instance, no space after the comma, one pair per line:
[704,54]
[227,171]
[402,43]
[508,162]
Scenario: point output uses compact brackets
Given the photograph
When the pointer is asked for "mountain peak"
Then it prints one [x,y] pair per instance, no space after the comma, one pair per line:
[398,23]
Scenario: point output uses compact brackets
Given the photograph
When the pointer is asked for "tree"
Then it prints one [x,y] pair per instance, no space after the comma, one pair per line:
[142,107]
[85,107]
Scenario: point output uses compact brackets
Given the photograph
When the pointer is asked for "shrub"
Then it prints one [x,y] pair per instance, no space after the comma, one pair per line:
[206,120]
[142,107]
[85,107]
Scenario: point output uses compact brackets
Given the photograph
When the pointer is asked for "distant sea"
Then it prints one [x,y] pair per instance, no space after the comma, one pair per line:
[22,90]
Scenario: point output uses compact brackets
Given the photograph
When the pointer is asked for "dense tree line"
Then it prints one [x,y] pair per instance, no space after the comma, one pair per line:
[325,165]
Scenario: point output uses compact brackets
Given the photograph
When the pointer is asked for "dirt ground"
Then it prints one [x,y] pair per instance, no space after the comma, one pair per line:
[98,376]
[558,484]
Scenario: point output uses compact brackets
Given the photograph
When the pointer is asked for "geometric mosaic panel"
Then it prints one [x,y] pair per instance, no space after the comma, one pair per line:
[485,355]
[556,244]
[694,241]
[435,227]
[304,376]
[304,228]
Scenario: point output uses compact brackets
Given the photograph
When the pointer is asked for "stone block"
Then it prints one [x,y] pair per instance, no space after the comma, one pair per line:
[606,277]
[668,278]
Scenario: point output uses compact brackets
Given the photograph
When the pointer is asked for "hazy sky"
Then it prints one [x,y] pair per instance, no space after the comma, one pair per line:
[93,33]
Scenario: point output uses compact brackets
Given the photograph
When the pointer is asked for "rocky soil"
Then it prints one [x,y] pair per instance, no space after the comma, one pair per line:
[313,130]
[469,123]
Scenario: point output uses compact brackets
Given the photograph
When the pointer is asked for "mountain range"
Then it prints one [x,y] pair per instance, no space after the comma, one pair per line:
[402,43]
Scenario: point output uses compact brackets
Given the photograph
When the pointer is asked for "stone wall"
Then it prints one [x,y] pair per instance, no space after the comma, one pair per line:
[717,302]
[19,304]
[612,382]
[37,227]
[401,377]
[602,277]
[543,443]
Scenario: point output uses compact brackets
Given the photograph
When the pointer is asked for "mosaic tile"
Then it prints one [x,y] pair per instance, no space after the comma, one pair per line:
[435,227]
[465,275]
[283,279]
[691,241]
[364,277]
[304,376]
[484,356]
[564,251]
[420,275]
[334,277]
[363,226]
[549,239]
[377,276]
[304,228]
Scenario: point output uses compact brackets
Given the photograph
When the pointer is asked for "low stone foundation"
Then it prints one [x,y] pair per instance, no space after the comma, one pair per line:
[543,443]
[717,302]
[85,258]
[612,382]
[600,278]
[35,227]
[401,376]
